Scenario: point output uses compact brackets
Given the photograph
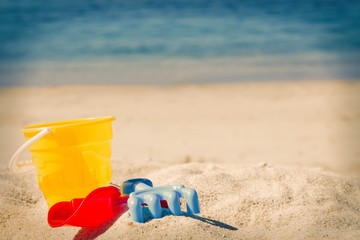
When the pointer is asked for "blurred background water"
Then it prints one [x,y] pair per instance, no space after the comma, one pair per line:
[95,41]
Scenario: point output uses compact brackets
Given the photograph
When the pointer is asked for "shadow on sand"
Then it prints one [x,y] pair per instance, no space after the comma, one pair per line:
[93,233]
[212,222]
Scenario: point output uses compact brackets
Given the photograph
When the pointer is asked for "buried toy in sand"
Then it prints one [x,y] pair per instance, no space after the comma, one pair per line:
[72,160]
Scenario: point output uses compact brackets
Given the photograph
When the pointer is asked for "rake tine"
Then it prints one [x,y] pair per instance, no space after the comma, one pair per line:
[135,208]
[173,201]
[153,202]
[192,201]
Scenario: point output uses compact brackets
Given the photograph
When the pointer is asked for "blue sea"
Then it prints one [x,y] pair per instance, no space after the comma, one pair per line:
[229,40]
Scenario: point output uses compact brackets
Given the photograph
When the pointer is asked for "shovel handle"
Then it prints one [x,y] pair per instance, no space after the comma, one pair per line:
[18,167]
[135,184]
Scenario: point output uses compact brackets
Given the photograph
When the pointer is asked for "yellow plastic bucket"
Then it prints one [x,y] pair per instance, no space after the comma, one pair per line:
[71,158]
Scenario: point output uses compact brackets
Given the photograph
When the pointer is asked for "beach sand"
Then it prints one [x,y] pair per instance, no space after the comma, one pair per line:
[270,160]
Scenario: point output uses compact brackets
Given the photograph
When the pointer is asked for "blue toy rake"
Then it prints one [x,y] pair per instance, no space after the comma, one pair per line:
[142,193]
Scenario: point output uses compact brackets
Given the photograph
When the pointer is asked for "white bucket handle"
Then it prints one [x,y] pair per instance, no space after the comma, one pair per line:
[18,167]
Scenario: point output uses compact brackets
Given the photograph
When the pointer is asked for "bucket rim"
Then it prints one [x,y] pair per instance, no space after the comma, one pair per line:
[66,123]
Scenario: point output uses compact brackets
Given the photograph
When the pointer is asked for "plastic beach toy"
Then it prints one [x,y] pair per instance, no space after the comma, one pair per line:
[99,207]
[106,203]
[142,193]
[72,158]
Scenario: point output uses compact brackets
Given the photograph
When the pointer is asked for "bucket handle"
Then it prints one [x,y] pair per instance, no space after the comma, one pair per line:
[18,167]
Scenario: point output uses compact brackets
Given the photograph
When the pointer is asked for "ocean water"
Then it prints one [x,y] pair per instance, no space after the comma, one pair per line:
[266,39]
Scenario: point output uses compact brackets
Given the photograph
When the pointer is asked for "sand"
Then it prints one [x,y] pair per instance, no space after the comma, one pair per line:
[275,160]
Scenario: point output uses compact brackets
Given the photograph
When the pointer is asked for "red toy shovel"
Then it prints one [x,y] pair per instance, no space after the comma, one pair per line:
[100,206]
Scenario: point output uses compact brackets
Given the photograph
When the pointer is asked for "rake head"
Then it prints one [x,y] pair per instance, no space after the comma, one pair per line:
[142,193]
